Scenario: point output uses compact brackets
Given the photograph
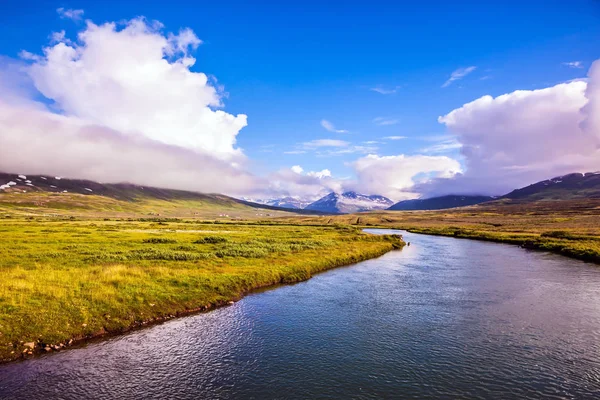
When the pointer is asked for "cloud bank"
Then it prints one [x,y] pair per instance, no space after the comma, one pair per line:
[396,176]
[525,136]
[35,141]
[120,104]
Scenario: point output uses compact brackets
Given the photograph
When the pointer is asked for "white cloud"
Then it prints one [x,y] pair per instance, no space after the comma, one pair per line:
[36,141]
[331,128]
[394,137]
[313,144]
[332,147]
[591,111]
[75,15]
[395,176]
[55,37]
[298,183]
[573,64]
[526,136]
[348,150]
[443,146]
[136,80]
[382,121]
[385,90]
[126,108]
[295,152]
[459,74]
[320,174]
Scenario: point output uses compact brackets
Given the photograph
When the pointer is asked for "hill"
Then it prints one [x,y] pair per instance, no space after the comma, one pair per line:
[567,187]
[439,203]
[50,192]
[349,202]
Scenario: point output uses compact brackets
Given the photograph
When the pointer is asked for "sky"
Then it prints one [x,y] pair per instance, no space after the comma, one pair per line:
[265,100]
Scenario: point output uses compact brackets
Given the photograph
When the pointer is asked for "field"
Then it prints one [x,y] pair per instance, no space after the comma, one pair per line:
[571,228]
[73,204]
[66,278]
[77,266]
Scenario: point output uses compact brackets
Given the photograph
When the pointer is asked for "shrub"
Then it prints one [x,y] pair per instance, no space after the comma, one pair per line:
[211,240]
[159,240]
[557,234]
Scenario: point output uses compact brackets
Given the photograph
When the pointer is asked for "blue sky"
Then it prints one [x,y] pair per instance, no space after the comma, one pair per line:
[289,66]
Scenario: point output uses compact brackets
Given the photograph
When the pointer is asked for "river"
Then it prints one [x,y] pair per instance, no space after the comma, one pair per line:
[442,318]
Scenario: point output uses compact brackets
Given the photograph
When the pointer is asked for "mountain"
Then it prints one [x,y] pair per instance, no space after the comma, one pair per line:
[567,187]
[289,202]
[349,202]
[439,203]
[286,202]
[125,192]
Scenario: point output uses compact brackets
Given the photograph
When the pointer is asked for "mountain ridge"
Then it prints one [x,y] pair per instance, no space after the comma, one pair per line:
[349,202]
[440,202]
[575,185]
[20,183]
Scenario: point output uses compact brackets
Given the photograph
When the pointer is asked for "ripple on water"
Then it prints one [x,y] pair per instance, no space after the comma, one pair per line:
[443,318]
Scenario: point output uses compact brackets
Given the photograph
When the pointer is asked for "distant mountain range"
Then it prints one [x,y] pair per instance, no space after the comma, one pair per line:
[14,183]
[349,202]
[295,203]
[566,187]
[439,203]
[571,186]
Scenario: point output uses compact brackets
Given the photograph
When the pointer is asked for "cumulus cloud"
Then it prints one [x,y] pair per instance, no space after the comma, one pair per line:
[136,80]
[525,136]
[36,141]
[121,105]
[69,13]
[296,182]
[396,176]
[459,74]
[591,111]
[331,128]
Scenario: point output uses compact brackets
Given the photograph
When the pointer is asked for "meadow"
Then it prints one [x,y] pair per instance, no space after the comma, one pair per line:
[67,279]
[78,266]
[568,227]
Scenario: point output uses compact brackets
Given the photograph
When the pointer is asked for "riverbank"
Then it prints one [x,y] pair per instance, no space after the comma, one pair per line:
[581,247]
[66,281]
[569,228]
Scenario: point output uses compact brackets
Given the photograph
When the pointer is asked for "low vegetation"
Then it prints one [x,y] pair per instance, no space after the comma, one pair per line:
[568,227]
[76,266]
[67,278]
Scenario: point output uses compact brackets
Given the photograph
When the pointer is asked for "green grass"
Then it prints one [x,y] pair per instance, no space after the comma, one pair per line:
[586,248]
[66,278]
[568,227]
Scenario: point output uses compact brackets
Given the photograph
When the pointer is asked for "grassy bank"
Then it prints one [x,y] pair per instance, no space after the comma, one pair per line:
[66,279]
[570,228]
[581,247]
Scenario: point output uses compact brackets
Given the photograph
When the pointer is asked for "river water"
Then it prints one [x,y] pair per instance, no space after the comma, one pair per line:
[443,318]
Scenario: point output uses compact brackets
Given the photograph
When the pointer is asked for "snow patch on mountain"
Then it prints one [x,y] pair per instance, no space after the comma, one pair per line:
[350,202]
